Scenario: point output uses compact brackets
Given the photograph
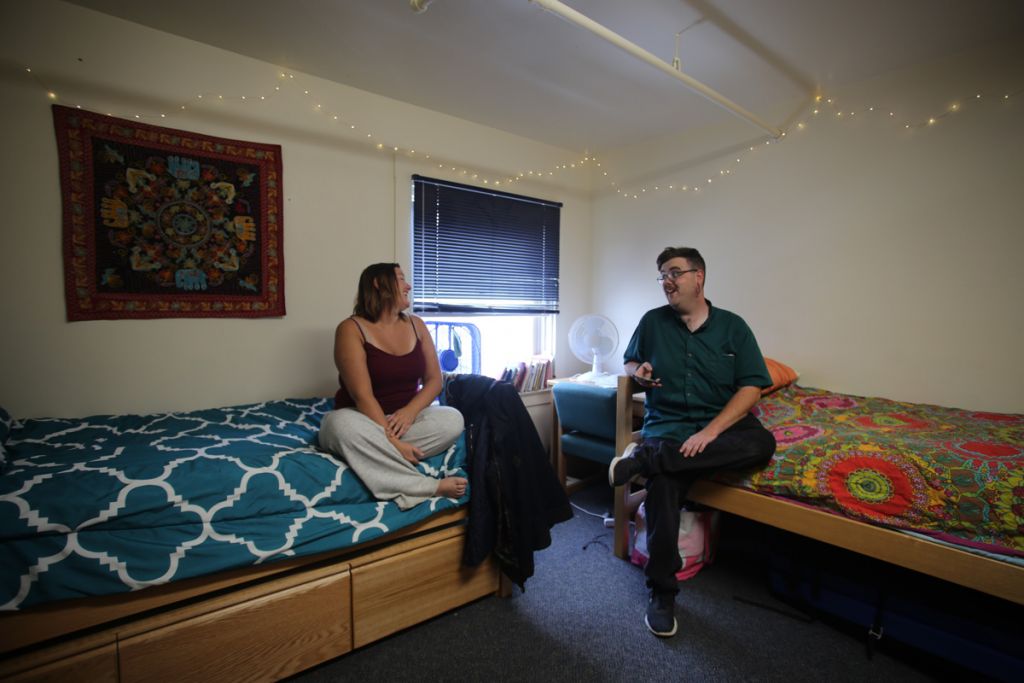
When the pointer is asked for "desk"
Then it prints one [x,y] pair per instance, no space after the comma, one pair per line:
[541,409]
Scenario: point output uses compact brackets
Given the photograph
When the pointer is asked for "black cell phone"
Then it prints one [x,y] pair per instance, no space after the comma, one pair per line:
[644,381]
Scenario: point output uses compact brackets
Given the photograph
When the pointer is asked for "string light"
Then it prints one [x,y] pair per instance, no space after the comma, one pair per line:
[841,114]
[569,166]
[287,78]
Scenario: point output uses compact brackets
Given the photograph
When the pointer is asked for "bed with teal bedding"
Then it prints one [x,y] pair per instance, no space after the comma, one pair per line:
[113,504]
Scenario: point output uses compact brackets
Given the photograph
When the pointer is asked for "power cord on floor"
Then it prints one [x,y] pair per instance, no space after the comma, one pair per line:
[794,613]
[599,540]
[609,521]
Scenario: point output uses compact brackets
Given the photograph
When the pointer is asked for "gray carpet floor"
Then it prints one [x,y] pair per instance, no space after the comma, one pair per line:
[581,619]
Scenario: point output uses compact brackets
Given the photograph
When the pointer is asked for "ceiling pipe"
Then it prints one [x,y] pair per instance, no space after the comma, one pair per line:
[582,20]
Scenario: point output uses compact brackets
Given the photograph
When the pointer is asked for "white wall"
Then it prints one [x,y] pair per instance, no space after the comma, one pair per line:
[873,259]
[345,205]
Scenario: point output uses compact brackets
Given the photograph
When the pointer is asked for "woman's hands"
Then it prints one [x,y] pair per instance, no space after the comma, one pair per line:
[400,421]
[407,450]
[398,424]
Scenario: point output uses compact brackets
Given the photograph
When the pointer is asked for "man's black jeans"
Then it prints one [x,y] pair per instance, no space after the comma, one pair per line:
[744,445]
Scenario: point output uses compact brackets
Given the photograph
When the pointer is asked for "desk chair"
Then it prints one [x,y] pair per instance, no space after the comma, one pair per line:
[596,423]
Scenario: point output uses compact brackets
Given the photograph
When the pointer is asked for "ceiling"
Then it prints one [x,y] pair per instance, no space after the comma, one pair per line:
[512,65]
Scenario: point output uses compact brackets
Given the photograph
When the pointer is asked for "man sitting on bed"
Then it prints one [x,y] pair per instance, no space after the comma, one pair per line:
[703,372]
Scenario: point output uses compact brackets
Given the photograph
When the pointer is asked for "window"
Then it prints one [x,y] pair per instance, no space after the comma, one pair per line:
[457,344]
[491,343]
[488,259]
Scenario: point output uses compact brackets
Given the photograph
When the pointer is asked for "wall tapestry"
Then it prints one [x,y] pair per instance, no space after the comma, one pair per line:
[162,223]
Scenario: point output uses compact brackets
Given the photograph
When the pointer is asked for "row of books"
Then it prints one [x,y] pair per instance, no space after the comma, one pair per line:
[532,375]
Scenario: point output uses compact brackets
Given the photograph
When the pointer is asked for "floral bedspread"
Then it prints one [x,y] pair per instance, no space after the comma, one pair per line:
[954,474]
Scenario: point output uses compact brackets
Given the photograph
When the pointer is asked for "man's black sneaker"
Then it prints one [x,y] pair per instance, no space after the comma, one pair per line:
[661,614]
[624,468]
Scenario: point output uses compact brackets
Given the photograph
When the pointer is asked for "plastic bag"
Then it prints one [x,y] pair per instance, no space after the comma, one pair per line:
[698,532]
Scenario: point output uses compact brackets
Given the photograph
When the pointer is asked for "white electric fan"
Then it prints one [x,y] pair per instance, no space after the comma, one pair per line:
[594,339]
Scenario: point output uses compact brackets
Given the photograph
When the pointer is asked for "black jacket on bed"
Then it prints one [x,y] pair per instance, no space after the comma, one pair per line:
[515,497]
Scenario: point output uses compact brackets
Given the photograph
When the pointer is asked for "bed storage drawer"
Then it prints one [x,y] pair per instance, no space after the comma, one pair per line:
[267,637]
[394,593]
[99,664]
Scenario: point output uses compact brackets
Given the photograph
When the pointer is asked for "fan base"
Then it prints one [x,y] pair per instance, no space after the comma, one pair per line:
[604,379]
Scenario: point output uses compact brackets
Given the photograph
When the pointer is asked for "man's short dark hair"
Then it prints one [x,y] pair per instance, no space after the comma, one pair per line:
[691,255]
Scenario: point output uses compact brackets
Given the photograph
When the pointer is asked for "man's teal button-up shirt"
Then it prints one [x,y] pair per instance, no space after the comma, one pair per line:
[699,371]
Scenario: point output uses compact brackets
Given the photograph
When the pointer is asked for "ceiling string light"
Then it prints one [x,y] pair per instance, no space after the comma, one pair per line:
[602,179]
[728,164]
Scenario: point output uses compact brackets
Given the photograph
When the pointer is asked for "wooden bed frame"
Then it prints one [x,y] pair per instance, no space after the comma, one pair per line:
[1001,579]
[257,623]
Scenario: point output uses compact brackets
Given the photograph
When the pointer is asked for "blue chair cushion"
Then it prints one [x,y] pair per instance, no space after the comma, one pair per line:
[586,408]
[580,445]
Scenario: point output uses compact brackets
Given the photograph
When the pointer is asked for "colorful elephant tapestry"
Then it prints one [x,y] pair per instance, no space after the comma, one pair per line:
[161,223]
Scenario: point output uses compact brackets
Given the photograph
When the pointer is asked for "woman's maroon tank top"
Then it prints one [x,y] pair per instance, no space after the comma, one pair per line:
[395,379]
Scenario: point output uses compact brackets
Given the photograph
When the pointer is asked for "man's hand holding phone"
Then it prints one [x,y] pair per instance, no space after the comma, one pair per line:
[644,376]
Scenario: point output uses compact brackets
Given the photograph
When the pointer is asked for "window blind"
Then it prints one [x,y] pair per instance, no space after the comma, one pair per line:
[483,251]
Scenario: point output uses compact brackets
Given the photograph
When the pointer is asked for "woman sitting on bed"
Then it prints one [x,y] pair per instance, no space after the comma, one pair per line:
[383,422]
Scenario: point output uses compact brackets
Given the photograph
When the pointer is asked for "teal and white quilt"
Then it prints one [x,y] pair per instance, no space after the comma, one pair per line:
[110,504]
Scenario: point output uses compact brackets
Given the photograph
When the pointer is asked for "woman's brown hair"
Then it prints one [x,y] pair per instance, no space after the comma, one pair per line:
[378,291]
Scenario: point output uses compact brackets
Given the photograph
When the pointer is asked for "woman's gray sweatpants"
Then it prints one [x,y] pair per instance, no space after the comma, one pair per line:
[364,447]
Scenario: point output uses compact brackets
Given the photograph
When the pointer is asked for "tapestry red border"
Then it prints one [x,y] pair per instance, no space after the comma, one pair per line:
[163,223]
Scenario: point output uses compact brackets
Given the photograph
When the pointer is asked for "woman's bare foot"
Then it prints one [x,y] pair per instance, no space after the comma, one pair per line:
[451,487]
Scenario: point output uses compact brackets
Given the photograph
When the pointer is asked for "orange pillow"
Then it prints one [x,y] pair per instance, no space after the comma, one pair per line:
[782,375]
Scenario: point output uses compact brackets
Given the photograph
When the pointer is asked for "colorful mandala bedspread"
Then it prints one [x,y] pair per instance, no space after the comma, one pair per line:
[111,504]
[954,474]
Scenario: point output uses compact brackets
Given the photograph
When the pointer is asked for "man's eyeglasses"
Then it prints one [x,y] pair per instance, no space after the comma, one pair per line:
[675,274]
